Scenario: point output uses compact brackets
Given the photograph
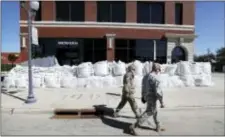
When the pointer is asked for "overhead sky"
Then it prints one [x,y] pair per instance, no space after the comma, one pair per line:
[209,26]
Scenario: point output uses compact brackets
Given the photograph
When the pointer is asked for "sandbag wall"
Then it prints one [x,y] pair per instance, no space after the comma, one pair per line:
[108,74]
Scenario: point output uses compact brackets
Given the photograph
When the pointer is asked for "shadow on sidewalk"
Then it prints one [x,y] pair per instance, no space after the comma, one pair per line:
[107,118]
[11,95]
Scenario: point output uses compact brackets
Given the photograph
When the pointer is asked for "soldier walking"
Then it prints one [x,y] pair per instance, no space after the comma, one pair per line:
[128,92]
[151,92]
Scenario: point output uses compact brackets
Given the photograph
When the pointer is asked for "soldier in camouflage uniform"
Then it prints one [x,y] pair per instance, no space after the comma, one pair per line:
[151,92]
[128,92]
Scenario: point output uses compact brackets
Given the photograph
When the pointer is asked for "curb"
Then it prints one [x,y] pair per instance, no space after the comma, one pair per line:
[51,110]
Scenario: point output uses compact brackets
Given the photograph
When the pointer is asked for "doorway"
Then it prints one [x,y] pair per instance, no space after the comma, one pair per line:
[178,54]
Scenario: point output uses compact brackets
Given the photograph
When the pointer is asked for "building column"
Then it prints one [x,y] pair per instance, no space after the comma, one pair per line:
[154,58]
[110,46]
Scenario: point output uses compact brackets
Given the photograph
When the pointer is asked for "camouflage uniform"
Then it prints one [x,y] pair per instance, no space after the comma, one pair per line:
[151,92]
[128,92]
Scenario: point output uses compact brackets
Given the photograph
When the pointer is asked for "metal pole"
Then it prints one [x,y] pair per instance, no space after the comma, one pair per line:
[31,98]
[154,42]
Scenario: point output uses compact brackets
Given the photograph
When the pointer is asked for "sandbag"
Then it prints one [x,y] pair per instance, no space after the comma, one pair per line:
[138,67]
[84,70]
[52,81]
[94,82]
[147,67]
[21,81]
[108,81]
[9,81]
[171,69]
[101,68]
[68,82]
[82,82]
[196,68]
[188,80]
[183,68]
[119,69]
[206,68]
[38,81]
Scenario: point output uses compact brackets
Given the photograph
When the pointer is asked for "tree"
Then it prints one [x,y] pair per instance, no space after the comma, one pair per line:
[12,58]
[220,55]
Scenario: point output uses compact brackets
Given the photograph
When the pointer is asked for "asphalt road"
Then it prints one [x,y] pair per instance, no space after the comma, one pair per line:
[198,121]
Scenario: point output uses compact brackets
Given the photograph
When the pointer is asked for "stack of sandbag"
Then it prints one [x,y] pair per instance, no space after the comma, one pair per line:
[203,77]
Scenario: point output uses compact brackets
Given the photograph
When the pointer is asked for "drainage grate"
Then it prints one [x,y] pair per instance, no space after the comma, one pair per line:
[76,113]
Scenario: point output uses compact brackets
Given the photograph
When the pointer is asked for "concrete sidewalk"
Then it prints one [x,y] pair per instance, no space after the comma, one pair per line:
[50,99]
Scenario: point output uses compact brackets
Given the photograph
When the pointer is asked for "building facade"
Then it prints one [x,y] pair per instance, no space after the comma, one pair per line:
[80,31]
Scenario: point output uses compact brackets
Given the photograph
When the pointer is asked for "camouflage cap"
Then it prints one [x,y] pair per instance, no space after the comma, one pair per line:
[131,67]
[156,66]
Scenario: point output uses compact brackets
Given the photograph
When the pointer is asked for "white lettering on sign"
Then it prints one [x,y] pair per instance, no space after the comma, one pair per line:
[67,43]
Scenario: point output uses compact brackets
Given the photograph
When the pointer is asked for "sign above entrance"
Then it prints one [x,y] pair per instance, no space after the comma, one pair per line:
[67,43]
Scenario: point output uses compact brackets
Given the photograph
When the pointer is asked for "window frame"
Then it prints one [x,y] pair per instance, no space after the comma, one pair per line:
[179,13]
[149,6]
[110,11]
[69,10]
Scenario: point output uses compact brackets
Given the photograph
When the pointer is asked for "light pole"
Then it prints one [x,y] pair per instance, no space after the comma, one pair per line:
[31,11]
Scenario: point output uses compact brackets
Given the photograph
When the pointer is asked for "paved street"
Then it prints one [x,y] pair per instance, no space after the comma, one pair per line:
[198,121]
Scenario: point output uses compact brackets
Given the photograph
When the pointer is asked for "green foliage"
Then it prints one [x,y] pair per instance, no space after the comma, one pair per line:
[6,67]
[12,58]
[220,56]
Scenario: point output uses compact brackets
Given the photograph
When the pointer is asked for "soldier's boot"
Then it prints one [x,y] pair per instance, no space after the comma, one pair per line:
[132,129]
[116,114]
[157,127]
[138,113]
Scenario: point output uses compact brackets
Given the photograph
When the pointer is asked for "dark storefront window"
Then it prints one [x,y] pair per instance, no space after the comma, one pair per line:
[150,12]
[161,51]
[140,49]
[124,50]
[111,11]
[179,13]
[38,13]
[94,50]
[70,10]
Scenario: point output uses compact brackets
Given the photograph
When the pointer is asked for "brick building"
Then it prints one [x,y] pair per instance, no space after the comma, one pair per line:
[78,31]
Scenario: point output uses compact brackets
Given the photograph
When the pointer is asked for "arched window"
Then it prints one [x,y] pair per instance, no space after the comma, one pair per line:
[178,54]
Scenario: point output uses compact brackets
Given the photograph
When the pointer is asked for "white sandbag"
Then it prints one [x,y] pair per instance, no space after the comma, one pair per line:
[108,82]
[163,67]
[101,68]
[147,67]
[9,81]
[196,68]
[111,66]
[119,69]
[138,67]
[21,81]
[38,81]
[52,81]
[94,82]
[84,70]
[203,81]
[68,82]
[163,78]
[183,68]
[138,81]
[119,81]
[188,80]
[206,68]
[82,82]
[171,69]
[174,81]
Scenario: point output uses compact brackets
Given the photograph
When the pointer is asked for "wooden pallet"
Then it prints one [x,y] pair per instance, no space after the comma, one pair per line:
[76,113]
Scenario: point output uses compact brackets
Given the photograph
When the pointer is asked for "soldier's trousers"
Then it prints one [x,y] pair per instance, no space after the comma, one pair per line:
[150,111]
[126,97]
